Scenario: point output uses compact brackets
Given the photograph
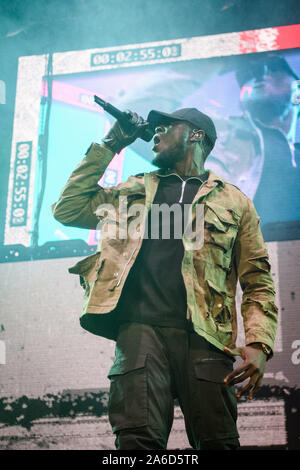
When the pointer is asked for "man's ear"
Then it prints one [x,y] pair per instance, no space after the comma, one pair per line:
[196,135]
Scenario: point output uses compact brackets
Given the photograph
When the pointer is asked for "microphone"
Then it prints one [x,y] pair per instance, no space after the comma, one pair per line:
[123,118]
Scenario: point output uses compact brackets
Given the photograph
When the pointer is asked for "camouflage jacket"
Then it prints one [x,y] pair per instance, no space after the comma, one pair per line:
[233,250]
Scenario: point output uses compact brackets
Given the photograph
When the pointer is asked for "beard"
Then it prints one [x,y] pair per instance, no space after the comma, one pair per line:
[268,108]
[168,157]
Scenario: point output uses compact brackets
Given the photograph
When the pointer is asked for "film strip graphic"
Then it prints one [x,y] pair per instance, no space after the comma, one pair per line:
[29,89]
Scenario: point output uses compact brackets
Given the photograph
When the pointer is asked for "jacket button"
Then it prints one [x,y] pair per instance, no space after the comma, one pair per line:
[116,274]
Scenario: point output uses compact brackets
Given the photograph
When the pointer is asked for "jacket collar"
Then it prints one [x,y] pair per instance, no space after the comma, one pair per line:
[212,177]
[151,181]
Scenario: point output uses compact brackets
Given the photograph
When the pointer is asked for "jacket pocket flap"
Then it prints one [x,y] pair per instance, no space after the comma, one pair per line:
[211,218]
[124,365]
[215,288]
[84,266]
[223,214]
[212,369]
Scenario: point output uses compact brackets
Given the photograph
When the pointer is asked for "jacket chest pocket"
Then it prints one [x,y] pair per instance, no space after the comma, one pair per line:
[130,213]
[88,270]
[220,226]
[129,197]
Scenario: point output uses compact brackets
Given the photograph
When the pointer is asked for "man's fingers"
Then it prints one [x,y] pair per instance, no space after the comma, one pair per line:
[252,367]
[255,388]
[240,378]
[251,386]
[244,389]
[234,373]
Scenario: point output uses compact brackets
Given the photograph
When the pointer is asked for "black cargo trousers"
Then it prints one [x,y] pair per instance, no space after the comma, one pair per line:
[153,366]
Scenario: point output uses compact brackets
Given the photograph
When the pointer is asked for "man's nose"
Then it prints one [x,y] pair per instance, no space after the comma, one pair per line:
[262,72]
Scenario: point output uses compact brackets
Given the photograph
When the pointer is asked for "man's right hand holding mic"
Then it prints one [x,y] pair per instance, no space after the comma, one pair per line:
[122,134]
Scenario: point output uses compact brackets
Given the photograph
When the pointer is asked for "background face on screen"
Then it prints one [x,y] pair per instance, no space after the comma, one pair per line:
[250,99]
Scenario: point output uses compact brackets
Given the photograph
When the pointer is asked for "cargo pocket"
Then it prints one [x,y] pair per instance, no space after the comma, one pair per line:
[221,307]
[212,369]
[128,398]
[215,402]
[220,227]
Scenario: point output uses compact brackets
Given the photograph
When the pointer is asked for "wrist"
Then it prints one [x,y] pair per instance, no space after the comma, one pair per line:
[264,348]
[112,144]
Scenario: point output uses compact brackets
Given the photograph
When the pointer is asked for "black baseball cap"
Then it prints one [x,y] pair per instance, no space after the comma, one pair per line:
[253,66]
[191,115]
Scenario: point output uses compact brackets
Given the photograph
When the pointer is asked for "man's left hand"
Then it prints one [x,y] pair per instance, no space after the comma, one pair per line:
[252,367]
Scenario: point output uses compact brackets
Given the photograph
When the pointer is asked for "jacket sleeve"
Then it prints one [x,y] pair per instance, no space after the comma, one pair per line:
[81,195]
[258,303]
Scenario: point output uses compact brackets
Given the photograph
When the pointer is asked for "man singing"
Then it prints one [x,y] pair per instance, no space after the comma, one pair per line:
[169,301]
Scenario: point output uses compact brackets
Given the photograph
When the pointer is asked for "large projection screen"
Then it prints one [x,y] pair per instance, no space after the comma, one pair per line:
[42,348]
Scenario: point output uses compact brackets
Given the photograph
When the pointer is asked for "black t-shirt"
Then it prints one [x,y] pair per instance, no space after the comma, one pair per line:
[154,292]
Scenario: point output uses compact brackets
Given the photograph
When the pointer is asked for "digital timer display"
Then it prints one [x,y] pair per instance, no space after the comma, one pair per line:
[21,184]
[136,55]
